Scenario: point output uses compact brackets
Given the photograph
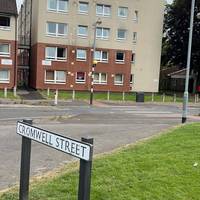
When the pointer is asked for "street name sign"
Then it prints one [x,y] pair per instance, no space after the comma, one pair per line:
[70,146]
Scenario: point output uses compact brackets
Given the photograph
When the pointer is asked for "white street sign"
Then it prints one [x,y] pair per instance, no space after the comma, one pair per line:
[67,145]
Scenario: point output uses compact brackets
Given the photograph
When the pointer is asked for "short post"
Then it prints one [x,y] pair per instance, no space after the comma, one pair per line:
[25,166]
[197,98]
[85,175]
[163,97]
[108,96]
[15,91]
[48,92]
[152,97]
[5,92]
[174,97]
[123,96]
[56,98]
[73,95]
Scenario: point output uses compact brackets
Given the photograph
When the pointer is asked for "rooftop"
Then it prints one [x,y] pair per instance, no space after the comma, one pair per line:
[8,7]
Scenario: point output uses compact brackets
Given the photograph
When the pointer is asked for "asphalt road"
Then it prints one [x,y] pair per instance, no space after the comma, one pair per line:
[111,126]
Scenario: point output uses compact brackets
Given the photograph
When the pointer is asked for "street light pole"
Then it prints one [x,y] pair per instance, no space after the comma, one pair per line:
[98,22]
[185,100]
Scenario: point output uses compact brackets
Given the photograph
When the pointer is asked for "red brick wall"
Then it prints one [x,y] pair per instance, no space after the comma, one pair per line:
[10,67]
[73,66]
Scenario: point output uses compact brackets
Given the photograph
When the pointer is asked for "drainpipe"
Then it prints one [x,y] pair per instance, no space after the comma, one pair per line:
[15,59]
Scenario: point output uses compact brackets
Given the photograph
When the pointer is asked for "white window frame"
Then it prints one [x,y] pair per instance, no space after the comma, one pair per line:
[100,82]
[56,58]
[103,14]
[120,61]
[135,37]
[3,54]
[119,82]
[101,56]
[80,11]
[136,16]
[121,39]
[6,28]
[133,61]
[81,81]
[81,58]
[102,36]
[55,81]
[57,7]
[122,16]
[82,35]
[5,80]
[56,34]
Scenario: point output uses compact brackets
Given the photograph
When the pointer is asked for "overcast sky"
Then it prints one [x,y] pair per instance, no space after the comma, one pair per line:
[20,1]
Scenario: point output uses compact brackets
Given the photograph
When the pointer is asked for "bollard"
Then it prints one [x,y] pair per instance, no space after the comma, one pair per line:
[5,92]
[197,98]
[108,96]
[152,97]
[48,92]
[123,96]
[73,95]
[56,98]
[15,91]
[174,97]
[163,97]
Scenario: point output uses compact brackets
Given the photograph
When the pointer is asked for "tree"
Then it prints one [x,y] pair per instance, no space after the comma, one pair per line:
[176,33]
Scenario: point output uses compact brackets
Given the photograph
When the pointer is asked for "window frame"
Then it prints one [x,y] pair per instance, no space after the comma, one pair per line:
[117,82]
[6,27]
[55,81]
[120,61]
[56,34]
[102,35]
[78,81]
[100,82]
[5,80]
[2,54]
[57,7]
[122,16]
[103,14]
[81,58]
[56,58]
[125,34]
[80,11]
[82,35]
[101,56]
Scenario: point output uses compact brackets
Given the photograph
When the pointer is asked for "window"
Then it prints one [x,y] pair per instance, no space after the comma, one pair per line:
[131,79]
[56,29]
[58,5]
[4,76]
[103,10]
[135,17]
[134,37]
[119,79]
[101,56]
[4,49]
[82,31]
[133,58]
[55,53]
[103,33]
[100,78]
[81,54]
[80,77]
[83,7]
[120,57]
[4,22]
[123,12]
[55,77]
[121,34]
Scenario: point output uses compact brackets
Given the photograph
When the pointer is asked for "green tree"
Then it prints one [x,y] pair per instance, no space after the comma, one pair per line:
[176,33]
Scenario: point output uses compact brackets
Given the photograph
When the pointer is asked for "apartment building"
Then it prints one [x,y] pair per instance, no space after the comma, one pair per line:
[127,35]
[8,43]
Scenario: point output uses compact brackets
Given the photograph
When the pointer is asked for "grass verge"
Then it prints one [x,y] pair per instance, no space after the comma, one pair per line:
[9,95]
[163,168]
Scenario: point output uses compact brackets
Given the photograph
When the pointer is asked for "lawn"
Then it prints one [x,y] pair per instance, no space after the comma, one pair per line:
[9,94]
[166,167]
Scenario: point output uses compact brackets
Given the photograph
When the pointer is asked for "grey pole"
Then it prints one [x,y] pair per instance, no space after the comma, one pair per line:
[185,100]
[93,61]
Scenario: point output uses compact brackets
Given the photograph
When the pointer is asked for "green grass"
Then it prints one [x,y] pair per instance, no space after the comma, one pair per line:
[9,94]
[161,168]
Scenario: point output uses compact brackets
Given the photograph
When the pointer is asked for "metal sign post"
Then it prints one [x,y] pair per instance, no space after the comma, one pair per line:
[81,149]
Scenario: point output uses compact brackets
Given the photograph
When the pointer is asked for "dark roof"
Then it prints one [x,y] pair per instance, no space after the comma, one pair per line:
[8,7]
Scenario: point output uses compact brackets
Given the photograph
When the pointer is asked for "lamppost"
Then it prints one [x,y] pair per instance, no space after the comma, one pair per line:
[94,62]
[185,100]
